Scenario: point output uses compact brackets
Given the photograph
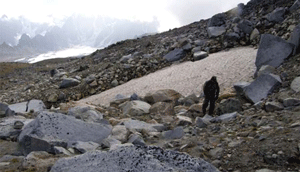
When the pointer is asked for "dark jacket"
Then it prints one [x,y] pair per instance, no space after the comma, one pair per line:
[211,89]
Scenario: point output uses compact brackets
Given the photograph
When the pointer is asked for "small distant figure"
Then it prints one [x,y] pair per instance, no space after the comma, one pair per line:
[211,92]
[27,106]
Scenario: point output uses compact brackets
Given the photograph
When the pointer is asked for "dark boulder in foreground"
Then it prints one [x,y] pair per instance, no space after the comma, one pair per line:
[53,129]
[135,159]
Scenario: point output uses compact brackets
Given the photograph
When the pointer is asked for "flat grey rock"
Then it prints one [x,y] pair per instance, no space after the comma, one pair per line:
[264,85]
[135,159]
[35,105]
[54,129]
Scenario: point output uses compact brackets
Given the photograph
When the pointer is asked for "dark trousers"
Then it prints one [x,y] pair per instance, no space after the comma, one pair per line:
[211,102]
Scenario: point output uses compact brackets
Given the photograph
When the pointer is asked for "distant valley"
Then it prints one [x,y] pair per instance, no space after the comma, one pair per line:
[23,39]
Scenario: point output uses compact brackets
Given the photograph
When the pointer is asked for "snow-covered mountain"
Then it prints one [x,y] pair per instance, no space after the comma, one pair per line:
[20,37]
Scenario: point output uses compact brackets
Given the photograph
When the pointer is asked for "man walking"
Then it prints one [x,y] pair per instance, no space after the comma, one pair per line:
[211,92]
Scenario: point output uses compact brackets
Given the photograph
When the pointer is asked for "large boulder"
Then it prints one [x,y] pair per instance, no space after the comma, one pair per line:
[166,95]
[272,51]
[215,31]
[229,106]
[132,158]
[295,39]
[175,55]
[54,129]
[69,82]
[259,89]
[135,108]
[278,15]
[86,114]
[217,20]
[246,26]
[25,107]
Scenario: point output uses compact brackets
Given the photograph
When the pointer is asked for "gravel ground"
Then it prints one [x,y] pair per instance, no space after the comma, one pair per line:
[187,78]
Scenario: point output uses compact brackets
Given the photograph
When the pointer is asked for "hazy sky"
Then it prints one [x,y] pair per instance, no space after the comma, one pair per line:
[170,13]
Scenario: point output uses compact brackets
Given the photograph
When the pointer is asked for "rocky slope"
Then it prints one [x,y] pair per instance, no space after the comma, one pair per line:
[252,130]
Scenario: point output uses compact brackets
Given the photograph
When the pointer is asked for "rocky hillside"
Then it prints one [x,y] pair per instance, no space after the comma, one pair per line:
[254,128]
[130,59]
